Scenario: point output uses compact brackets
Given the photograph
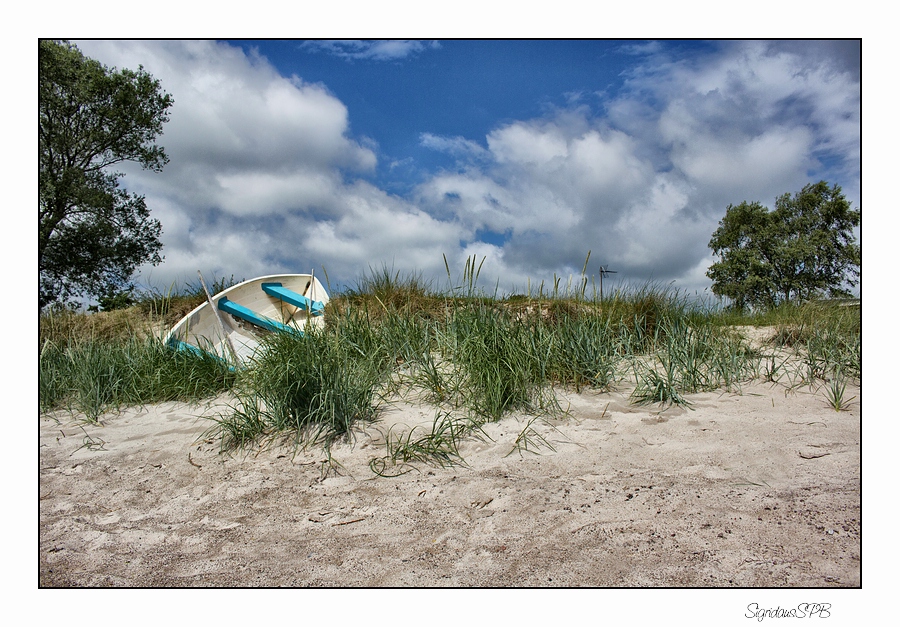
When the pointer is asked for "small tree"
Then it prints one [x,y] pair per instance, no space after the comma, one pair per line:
[802,249]
[92,234]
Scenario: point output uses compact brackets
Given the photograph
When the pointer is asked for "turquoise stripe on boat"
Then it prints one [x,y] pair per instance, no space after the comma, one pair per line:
[178,345]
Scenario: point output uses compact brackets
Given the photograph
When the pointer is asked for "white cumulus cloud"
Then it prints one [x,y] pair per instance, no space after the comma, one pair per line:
[265,175]
[377,50]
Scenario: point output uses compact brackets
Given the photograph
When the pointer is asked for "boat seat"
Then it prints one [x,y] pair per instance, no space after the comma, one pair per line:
[239,311]
[314,307]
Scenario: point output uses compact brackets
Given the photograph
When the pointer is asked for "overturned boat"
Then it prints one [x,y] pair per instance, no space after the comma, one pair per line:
[230,324]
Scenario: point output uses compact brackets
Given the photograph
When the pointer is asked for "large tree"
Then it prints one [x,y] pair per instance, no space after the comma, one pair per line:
[804,248]
[92,234]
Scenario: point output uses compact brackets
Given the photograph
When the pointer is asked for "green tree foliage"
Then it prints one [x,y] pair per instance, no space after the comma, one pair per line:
[92,234]
[802,249]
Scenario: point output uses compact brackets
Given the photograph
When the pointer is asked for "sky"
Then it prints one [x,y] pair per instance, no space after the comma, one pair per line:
[345,157]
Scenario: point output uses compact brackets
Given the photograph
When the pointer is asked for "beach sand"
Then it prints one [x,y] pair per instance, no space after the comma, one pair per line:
[757,488]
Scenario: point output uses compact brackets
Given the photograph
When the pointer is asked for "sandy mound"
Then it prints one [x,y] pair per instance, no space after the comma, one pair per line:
[760,488]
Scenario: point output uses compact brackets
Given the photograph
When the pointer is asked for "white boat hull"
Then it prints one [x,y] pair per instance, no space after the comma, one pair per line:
[201,329]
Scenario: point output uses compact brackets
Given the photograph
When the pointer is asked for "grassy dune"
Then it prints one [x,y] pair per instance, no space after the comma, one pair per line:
[473,356]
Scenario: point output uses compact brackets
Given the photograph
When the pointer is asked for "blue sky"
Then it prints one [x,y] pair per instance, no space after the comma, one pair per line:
[288,155]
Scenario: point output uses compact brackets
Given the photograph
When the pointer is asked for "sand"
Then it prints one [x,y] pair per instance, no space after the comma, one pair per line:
[757,488]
